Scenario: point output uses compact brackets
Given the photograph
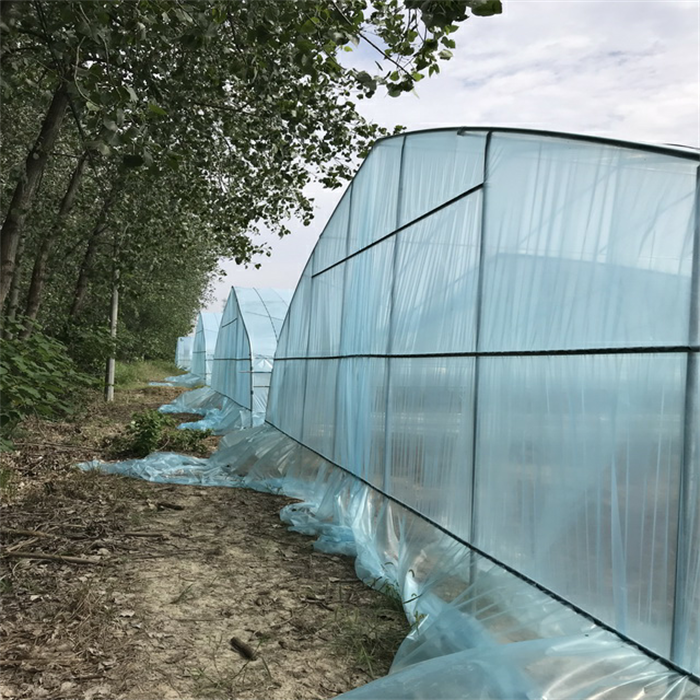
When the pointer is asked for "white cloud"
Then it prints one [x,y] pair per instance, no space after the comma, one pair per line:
[628,69]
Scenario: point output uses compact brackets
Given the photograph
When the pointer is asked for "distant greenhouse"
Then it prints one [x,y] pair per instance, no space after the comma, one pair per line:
[204,344]
[183,352]
[245,348]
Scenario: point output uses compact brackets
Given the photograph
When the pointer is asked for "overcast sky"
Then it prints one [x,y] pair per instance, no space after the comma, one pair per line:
[629,69]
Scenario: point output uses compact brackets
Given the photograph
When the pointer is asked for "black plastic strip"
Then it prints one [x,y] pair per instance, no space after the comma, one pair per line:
[448,203]
[523,577]
[636,350]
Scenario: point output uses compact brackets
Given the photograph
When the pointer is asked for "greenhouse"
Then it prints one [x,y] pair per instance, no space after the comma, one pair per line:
[204,344]
[498,331]
[245,349]
[203,399]
[486,389]
[183,352]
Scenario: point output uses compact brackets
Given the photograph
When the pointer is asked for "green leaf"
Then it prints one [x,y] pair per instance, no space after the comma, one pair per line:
[156,109]
[100,146]
[487,8]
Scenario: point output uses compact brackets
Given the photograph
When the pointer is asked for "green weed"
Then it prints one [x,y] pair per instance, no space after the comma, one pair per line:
[373,637]
[151,431]
[133,374]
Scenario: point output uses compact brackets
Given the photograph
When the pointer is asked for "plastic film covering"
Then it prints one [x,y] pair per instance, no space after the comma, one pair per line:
[500,333]
[479,630]
[187,380]
[204,344]
[200,401]
[183,352]
[245,350]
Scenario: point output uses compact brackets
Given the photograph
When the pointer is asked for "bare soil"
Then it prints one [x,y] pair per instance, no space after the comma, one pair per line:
[174,591]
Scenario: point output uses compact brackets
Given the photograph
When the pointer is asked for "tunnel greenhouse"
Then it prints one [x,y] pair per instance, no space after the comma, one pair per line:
[183,352]
[204,344]
[245,349]
[486,389]
[498,331]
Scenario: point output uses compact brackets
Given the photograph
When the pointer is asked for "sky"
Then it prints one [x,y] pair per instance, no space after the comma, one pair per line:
[628,69]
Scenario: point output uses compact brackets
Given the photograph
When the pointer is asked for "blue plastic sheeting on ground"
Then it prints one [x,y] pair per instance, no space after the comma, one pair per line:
[165,467]
[478,631]
[493,674]
[188,381]
[219,413]
[199,401]
[230,416]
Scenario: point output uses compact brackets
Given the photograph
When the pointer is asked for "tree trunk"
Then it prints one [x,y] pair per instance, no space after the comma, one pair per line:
[113,316]
[39,272]
[91,251]
[88,258]
[26,188]
[13,294]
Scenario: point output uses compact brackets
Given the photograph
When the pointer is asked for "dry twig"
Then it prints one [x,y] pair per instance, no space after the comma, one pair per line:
[50,557]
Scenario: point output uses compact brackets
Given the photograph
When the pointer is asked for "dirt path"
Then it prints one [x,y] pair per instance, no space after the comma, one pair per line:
[190,592]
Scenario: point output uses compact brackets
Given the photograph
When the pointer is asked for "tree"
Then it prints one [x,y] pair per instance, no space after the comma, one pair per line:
[189,126]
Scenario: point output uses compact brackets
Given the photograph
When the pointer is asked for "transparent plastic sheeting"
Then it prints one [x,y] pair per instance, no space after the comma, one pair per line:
[187,380]
[183,352]
[478,631]
[199,401]
[204,344]
[245,349]
[219,414]
[499,330]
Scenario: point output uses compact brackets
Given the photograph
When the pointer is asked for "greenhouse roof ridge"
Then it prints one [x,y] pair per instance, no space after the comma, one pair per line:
[682,151]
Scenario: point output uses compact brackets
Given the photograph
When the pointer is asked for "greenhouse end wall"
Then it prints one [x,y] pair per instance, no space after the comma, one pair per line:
[245,347]
[499,330]
[183,352]
[204,344]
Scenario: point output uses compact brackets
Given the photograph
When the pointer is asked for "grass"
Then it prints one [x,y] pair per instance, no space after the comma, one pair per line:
[216,683]
[130,375]
[372,639]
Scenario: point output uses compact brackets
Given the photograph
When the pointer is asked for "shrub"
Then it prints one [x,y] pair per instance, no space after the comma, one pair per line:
[37,377]
[89,346]
[150,431]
